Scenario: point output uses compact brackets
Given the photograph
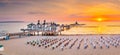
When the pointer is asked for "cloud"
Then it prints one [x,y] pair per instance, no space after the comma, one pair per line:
[80,16]
[7,6]
[104,8]
[6,18]
[38,13]
[112,16]
[11,2]
[58,8]
[2,4]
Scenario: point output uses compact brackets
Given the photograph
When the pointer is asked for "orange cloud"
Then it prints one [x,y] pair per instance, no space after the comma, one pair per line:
[101,9]
[59,10]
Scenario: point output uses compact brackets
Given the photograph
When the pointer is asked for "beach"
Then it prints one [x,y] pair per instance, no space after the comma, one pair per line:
[19,46]
[59,27]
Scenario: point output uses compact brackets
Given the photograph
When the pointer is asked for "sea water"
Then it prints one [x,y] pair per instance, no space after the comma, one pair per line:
[88,28]
[12,27]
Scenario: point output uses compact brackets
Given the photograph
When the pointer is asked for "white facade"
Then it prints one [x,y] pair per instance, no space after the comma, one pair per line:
[43,27]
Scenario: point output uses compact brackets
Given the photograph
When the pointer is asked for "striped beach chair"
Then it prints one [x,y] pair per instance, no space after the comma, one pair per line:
[1,48]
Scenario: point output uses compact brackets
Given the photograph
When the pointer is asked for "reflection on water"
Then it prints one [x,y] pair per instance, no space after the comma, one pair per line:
[12,27]
[93,30]
[96,28]
[89,28]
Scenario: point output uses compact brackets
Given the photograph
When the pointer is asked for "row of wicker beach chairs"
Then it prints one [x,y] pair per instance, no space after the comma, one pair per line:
[66,42]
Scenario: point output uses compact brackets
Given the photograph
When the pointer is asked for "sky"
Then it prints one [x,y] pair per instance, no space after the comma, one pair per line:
[60,10]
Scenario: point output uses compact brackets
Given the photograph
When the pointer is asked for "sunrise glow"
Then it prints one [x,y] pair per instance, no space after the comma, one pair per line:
[60,27]
[99,19]
[58,11]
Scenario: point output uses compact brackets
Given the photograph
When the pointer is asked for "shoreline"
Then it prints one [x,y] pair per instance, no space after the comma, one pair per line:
[85,34]
[19,47]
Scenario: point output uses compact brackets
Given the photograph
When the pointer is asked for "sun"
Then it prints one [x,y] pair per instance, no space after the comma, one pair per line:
[99,19]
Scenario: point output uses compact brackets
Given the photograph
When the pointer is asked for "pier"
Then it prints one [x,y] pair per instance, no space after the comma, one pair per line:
[45,28]
[42,29]
[48,28]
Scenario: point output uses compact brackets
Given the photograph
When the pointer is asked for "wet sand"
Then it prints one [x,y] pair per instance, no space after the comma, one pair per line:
[20,47]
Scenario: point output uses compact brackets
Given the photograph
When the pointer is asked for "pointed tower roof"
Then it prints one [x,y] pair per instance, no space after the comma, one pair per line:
[38,22]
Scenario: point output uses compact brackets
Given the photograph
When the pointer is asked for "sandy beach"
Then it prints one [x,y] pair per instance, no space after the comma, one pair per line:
[19,46]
